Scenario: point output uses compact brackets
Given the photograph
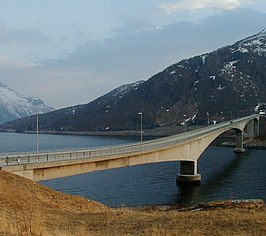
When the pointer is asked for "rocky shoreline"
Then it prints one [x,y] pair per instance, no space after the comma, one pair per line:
[237,203]
[249,143]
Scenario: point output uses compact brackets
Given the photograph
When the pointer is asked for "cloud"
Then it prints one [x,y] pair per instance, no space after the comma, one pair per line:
[4,62]
[96,67]
[227,5]
[22,36]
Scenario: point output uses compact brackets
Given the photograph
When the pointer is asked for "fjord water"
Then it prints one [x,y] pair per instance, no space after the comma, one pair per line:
[225,175]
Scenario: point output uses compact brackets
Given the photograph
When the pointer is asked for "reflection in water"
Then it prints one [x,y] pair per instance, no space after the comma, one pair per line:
[225,175]
[187,194]
[190,194]
[234,176]
[218,178]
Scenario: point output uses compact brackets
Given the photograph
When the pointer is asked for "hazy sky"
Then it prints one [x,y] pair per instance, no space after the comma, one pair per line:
[70,52]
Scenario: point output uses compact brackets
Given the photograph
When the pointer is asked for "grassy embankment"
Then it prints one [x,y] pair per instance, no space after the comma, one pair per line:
[28,208]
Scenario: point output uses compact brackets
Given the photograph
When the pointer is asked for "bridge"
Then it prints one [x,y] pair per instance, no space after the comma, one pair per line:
[185,148]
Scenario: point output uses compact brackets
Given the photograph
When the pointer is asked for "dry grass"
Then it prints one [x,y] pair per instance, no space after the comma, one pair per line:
[211,222]
[28,208]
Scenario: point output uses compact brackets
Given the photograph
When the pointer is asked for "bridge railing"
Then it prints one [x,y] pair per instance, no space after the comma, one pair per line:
[146,146]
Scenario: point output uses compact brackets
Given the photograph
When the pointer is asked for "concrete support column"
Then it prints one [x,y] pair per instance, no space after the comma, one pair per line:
[239,142]
[256,127]
[188,173]
[251,128]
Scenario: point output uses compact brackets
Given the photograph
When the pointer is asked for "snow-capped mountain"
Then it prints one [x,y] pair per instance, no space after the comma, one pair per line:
[255,43]
[14,105]
[224,83]
[118,93]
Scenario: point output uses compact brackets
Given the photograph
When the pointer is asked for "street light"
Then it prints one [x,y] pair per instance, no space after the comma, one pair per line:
[140,113]
[37,136]
[222,116]
[208,121]
[185,122]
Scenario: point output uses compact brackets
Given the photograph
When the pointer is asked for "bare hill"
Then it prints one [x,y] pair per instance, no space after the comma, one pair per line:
[28,208]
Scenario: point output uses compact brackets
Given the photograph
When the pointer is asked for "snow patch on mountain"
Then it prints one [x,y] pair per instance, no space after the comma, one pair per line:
[120,92]
[124,89]
[255,43]
[203,58]
[229,68]
[14,105]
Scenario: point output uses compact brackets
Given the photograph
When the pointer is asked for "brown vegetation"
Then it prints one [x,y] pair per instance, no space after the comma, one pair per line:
[28,208]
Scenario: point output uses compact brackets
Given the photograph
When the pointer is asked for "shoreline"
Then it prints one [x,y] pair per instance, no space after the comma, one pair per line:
[147,133]
[249,143]
[200,206]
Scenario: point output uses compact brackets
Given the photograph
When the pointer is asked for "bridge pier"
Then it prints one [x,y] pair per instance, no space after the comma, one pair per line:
[188,173]
[239,142]
[251,128]
[257,127]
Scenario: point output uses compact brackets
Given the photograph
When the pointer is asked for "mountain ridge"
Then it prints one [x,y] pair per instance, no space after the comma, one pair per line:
[14,105]
[225,83]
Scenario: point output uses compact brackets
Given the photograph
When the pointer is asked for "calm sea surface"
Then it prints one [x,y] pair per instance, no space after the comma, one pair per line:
[225,175]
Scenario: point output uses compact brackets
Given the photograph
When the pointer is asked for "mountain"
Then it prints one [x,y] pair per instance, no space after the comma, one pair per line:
[225,83]
[14,105]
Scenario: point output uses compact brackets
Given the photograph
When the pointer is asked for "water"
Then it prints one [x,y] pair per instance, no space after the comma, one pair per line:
[17,142]
[225,175]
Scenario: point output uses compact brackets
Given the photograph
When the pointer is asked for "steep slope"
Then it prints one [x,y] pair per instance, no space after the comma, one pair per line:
[28,208]
[14,106]
[225,83]
[77,117]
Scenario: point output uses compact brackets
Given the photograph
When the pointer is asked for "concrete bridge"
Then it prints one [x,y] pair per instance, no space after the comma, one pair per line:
[186,148]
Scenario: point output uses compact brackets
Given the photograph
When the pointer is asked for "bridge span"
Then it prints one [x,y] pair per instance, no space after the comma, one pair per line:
[186,148]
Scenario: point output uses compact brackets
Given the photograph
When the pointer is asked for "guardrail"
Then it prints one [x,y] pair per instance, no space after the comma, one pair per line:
[146,146]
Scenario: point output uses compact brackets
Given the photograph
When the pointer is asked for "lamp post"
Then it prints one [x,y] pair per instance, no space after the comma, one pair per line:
[222,116]
[231,115]
[37,136]
[140,113]
[208,118]
[185,122]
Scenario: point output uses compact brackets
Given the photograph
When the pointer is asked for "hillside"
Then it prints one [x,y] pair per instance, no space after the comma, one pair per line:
[28,208]
[14,105]
[226,83]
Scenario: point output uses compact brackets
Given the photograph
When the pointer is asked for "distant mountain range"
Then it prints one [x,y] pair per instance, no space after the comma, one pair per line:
[14,105]
[225,83]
